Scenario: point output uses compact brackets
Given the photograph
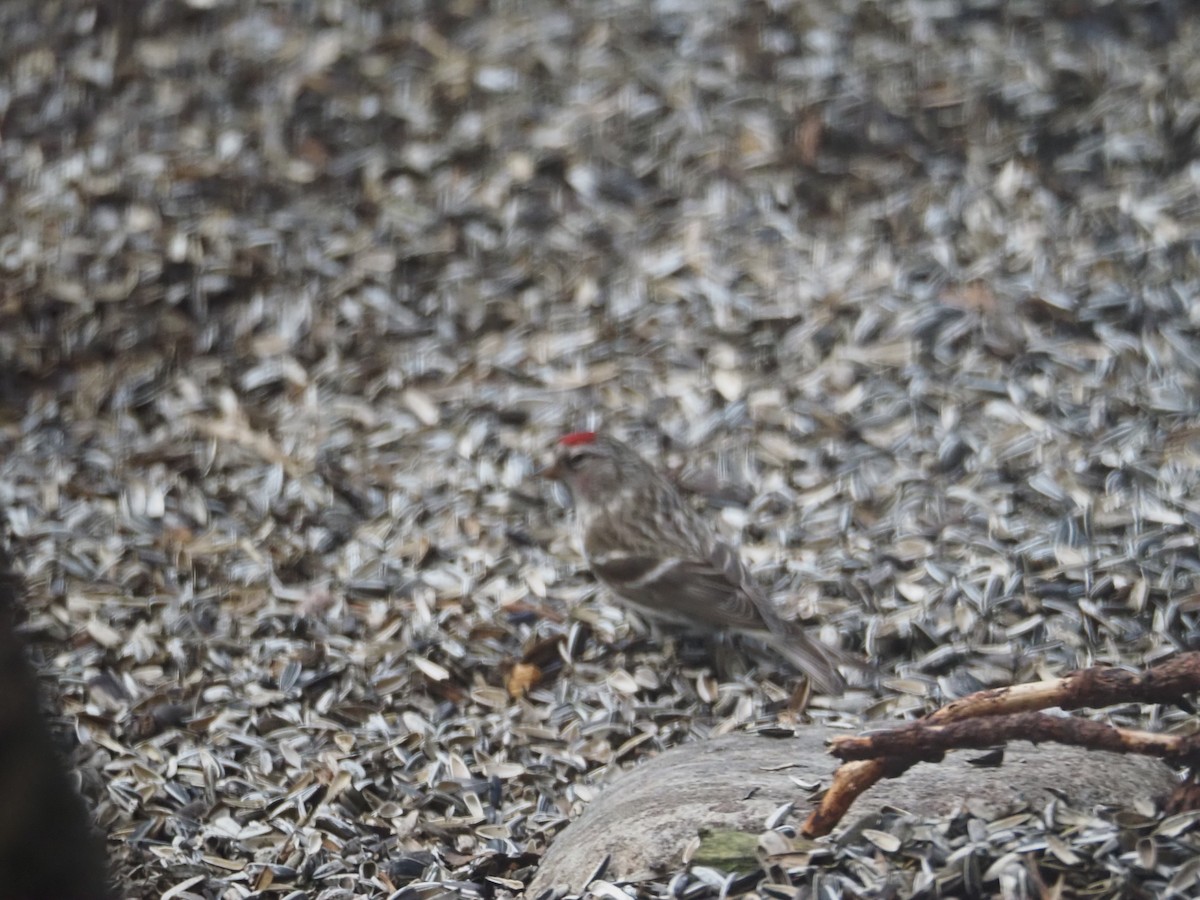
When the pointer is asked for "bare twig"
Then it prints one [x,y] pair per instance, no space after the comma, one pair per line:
[891,753]
[927,742]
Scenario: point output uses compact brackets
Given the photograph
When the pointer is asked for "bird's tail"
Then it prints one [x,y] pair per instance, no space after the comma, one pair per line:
[816,660]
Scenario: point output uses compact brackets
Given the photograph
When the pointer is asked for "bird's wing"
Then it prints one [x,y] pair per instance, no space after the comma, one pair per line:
[717,592]
[703,592]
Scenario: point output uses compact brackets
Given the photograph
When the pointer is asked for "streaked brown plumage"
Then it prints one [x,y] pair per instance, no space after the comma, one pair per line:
[645,543]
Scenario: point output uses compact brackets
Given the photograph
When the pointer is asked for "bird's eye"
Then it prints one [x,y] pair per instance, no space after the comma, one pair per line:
[574,461]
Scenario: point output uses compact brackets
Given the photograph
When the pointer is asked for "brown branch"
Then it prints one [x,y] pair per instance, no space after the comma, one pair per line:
[1094,687]
[1097,686]
[926,742]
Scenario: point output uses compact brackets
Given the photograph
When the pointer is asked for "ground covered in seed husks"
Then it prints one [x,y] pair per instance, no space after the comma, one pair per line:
[294,298]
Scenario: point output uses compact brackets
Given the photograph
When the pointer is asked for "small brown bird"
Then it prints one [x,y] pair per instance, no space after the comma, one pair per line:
[646,543]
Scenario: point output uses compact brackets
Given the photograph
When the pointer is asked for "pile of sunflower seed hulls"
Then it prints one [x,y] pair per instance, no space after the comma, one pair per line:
[293,302]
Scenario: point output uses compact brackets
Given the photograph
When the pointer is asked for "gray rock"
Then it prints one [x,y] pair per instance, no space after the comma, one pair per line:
[645,819]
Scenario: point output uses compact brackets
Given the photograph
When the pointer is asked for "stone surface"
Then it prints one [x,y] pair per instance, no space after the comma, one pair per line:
[645,819]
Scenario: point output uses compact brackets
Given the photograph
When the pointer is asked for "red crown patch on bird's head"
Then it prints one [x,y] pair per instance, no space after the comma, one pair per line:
[578,438]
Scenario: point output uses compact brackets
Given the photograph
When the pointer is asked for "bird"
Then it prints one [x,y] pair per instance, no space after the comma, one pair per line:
[653,551]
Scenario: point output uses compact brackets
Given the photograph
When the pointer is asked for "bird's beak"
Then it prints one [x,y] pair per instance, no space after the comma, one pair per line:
[554,471]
